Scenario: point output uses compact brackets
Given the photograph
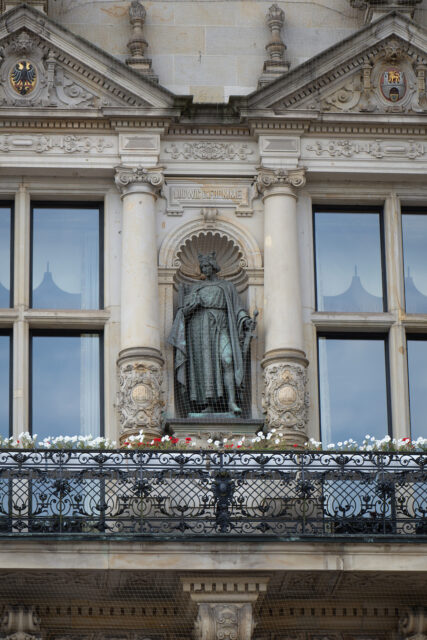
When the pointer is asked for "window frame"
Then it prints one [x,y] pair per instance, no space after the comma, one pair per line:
[412,210]
[53,333]
[11,205]
[346,209]
[72,204]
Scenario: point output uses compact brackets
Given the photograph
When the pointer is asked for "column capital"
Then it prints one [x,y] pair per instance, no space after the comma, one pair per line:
[274,180]
[139,179]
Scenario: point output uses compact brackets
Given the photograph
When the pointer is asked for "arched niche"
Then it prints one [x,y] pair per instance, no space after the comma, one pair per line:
[236,251]
[240,259]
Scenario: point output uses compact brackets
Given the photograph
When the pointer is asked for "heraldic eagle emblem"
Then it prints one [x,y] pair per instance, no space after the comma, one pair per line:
[23,77]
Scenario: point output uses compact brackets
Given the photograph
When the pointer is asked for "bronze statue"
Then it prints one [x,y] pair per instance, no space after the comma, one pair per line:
[211,334]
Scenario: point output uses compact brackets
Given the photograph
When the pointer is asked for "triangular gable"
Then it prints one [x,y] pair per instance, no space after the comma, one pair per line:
[44,65]
[378,69]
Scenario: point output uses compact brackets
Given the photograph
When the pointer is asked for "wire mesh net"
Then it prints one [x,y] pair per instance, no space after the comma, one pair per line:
[136,605]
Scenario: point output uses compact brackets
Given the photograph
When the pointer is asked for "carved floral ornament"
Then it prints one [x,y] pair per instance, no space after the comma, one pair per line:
[269,178]
[127,177]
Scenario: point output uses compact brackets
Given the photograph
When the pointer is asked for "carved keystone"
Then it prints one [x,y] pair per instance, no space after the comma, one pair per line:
[225,605]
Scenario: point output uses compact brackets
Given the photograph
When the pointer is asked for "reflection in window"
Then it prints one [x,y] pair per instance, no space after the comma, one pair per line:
[66,384]
[5,254]
[352,388]
[417,370]
[348,261]
[65,258]
[414,235]
[5,384]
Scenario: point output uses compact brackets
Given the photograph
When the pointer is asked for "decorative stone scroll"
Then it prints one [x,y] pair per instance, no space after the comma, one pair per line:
[20,622]
[140,398]
[269,178]
[285,400]
[126,177]
[218,193]
[413,625]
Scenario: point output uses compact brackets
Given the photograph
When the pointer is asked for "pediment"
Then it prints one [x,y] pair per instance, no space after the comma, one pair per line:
[42,65]
[379,69]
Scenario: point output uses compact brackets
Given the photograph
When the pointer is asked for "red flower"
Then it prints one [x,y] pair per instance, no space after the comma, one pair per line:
[187,439]
[294,445]
[175,440]
[405,439]
[157,439]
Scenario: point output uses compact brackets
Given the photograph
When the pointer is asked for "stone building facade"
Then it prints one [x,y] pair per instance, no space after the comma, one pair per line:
[226,126]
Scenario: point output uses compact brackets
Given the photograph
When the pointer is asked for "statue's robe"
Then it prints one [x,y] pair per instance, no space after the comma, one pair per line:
[213,330]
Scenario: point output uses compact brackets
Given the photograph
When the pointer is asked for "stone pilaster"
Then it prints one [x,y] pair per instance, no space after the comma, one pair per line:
[225,605]
[285,400]
[20,622]
[413,625]
[140,362]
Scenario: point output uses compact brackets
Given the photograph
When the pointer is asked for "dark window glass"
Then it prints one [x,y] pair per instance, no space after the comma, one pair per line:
[353,388]
[417,369]
[66,257]
[414,234]
[5,382]
[349,273]
[66,392]
[5,256]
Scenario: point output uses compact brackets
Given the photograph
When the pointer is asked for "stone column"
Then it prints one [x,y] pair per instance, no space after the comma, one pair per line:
[285,398]
[413,625]
[20,622]
[140,361]
[225,605]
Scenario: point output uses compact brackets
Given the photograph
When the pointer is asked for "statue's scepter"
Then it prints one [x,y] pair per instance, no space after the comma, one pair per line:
[246,347]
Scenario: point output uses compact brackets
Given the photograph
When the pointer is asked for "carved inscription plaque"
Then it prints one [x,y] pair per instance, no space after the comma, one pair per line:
[223,194]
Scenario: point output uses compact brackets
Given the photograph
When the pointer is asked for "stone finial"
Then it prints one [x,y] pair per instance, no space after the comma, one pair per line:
[137,44]
[276,65]
[376,8]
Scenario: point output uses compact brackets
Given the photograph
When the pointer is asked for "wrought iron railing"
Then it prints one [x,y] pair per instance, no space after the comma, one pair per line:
[183,494]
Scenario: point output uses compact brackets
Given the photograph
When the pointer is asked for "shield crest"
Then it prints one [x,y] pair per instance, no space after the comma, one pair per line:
[393,84]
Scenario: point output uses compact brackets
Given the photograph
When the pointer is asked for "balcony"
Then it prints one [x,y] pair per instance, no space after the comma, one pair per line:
[179,495]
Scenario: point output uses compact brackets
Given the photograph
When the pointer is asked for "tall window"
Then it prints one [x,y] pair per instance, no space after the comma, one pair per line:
[6,253]
[61,393]
[66,271]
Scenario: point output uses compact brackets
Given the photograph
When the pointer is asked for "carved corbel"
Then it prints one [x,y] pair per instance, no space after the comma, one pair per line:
[128,179]
[20,622]
[225,605]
